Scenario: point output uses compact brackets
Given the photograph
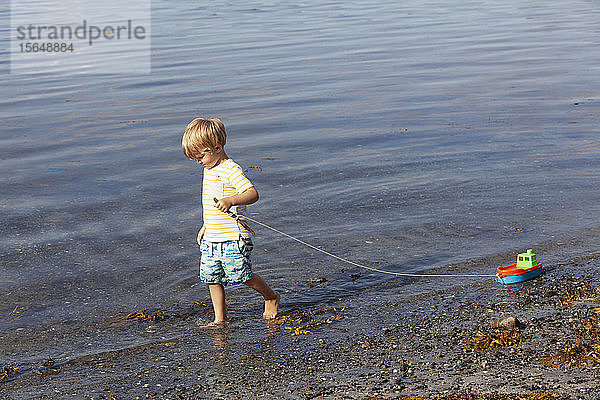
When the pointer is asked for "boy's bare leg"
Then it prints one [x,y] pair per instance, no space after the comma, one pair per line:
[217,295]
[271,297]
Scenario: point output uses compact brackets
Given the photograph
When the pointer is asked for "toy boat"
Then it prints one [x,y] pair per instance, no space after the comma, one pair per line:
[526,268]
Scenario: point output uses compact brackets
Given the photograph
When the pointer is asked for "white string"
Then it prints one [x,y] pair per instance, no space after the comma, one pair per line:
[360,265]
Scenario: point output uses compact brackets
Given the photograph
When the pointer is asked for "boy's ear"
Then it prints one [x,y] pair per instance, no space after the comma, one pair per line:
[218,148]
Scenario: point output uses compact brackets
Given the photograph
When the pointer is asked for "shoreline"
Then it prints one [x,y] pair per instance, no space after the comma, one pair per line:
[375,345]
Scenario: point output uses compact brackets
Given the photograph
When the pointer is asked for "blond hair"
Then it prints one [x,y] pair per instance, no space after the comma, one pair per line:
[202,133]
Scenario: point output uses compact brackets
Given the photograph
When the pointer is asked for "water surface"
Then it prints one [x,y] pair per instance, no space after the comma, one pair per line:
[404,136]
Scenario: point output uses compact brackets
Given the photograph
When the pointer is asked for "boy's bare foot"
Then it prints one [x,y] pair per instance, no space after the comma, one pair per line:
[215,324]
[272,307]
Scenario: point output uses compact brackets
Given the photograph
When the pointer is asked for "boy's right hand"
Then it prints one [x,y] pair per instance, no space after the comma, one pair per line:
[200,235]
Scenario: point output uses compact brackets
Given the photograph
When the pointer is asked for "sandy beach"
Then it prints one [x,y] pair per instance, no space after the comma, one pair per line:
[371,346]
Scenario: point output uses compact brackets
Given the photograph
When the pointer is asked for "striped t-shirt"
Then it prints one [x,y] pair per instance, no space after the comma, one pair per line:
[225,179]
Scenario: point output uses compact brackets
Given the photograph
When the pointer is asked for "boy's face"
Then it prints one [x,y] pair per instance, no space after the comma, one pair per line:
[209,158]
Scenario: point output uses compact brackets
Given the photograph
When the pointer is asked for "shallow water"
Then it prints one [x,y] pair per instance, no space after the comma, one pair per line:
[403,136]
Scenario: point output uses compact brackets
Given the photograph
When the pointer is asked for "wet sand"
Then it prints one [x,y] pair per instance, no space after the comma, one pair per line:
[378,344]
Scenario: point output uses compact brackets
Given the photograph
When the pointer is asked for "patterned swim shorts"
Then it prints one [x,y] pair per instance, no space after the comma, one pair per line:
[227,263]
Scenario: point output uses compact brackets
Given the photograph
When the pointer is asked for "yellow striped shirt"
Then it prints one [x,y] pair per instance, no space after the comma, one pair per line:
[223,180]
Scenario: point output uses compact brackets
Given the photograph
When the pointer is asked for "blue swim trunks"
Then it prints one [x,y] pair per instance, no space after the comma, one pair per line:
[227,263]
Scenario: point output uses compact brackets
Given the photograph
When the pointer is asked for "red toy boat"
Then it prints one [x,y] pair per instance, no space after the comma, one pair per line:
[526,268]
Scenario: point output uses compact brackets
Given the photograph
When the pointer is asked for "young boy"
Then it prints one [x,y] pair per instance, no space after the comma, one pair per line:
[225,243]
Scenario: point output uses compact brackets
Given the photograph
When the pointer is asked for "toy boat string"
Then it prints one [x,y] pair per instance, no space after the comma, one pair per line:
[237,218]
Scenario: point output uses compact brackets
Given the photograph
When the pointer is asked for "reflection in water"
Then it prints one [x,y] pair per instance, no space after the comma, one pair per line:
[273,327]
[221,346]
[227,352]
[510,294]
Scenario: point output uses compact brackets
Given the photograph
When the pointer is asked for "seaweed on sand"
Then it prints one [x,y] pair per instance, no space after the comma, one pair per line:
[498,338]
[146,315]
[14,313]
[303,321]
[9,370]
[581,292]
[197,308]
[476,396]
[584,353]
[46,368]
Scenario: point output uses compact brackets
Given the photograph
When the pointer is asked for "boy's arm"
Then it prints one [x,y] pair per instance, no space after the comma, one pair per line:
[248,196]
